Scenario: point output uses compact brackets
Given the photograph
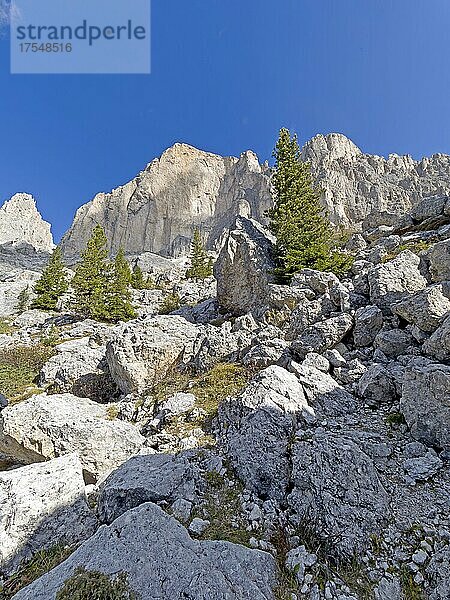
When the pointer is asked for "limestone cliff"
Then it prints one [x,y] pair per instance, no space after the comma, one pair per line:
[183,189]
[357,185]
[21,222]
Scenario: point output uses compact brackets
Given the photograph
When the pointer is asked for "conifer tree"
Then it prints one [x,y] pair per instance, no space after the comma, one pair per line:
[91,275]
[117,304]
[304,235]
[52,284]
[23,300]
[138,281]
[201,264]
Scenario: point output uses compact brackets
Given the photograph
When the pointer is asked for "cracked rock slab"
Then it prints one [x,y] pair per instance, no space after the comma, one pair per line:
[162,562]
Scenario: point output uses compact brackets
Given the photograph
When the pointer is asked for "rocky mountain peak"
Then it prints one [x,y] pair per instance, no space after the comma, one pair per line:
[330,147]
[20,221]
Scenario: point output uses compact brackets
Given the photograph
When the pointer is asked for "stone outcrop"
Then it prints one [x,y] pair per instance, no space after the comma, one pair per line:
[44,427]
[163,562]
[21,222]
[42,505]
[159,210]
[362,187]
[243,268]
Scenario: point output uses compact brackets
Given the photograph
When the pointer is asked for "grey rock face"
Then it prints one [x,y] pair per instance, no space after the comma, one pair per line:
[376,386]
[393,342]
[42,505]
[368,322]
[20,222]
[336,490]
[421,468]
[438,571]
[426,403]
[438,257]
[255,428]
[392,281]
[159,210]
[162,562]
[44,427]
[143,351]
[322,392]
[425,309]
[361,187]
[438,345]
[243,268]
[78,368]
[324,335]
[143,479]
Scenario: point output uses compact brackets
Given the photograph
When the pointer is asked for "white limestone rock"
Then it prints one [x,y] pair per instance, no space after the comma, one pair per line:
[438,345]
[244,267]
[425,402]
[142,352]
[393,281]
[20,221]
[162,562]
[42,505]
[426,309]
[256,426]
[44,427]
[159,210]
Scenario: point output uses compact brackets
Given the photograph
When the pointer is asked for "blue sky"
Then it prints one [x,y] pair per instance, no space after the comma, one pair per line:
[226,75]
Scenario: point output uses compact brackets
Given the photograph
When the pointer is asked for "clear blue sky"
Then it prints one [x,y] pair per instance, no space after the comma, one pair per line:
[226,75]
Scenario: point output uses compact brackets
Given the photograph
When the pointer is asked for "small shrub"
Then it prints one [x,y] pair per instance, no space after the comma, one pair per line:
[23,301]
[395,419]
[222,508]
[19,368]
[287,584]
[410,589]
[112,411]
[6,327]
[52,337]
[42,562]
[93,585]
[416,247]
[170,303]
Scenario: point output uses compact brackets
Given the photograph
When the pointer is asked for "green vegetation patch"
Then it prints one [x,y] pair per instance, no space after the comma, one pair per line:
[19,368]
[416,247]
[42,562]
[223,509]
[93,585]
[6,328]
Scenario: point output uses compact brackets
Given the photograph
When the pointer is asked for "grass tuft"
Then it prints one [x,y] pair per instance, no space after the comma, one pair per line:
[19,368]
[93,585]
[42,562]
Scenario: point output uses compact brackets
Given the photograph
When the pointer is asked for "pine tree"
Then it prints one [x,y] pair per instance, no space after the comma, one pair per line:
[304,235]
[201,264]
[117,304]
[138,281]
[23,300]
[91,276]
[52,284]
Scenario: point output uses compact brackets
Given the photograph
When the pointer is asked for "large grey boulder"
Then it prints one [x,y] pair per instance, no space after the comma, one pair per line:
[438,257]
[426,309]
[396,279]
[368,322]
[393,342]
[20,221]
[323,336]
[255,429]
[42,505]
[162,562]
[78,367]
[336,492]
[159,210]
[44,427]
[142,352]
[425,403]
[244,267]
[377,386]
[438,345]
[153,478]
[322,392]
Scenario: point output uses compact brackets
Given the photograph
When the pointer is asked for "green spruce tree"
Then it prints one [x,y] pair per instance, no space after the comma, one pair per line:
[305,237]
[138,281]
[91,277]
[52,284]
[117,305]
[201,264]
